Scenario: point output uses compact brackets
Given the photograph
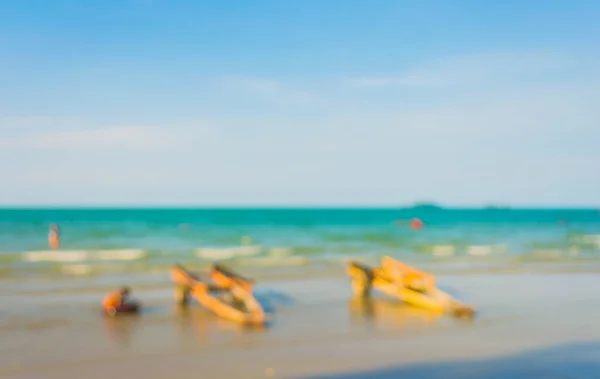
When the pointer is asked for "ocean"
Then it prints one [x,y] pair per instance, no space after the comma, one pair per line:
[121,241]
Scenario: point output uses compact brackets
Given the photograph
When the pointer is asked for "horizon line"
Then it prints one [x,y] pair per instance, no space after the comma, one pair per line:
[291,206]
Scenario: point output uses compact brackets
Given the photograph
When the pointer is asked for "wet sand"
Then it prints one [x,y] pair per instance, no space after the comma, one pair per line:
[529,326]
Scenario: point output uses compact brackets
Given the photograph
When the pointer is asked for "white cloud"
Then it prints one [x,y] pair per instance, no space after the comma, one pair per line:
[60,133]
[11,124]
[270,89]
[497,68]
[127,137]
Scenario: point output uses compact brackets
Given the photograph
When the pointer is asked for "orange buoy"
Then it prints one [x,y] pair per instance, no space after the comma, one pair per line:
[416,224]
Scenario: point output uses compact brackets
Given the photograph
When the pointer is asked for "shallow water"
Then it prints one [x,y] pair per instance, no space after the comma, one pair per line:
[119,241]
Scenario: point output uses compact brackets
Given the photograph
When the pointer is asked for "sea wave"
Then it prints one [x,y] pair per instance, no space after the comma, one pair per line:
[303,252]
[555,260]
[447,250]
[77,269]
[214,254]
[84,255]
[480,250]
[274,261]
[588,239]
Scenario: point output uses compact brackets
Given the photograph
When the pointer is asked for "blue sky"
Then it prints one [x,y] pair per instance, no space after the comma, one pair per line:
[156,102]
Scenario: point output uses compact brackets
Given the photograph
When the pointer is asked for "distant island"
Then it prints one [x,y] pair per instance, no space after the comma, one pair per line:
[494,206]
[427,205]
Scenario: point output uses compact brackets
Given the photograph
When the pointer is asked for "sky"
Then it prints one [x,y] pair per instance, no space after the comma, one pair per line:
[299,102]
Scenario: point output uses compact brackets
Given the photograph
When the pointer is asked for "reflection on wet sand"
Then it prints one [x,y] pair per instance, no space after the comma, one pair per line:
[389,314]
[120,329]
[192,321]
[207,326]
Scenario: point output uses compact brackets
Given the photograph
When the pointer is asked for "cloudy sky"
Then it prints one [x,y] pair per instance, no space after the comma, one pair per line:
[156,102]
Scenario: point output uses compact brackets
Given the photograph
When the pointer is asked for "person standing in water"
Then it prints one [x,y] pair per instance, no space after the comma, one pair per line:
[54,237]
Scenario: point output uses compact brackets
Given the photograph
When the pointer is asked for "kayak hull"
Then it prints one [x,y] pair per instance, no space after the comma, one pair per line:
[401,281]
[228,296]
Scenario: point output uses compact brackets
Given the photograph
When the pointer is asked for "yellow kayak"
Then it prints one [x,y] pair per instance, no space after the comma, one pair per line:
[399,280]
[228,295]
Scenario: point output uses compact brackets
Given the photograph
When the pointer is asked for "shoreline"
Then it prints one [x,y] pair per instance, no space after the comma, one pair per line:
[159,279]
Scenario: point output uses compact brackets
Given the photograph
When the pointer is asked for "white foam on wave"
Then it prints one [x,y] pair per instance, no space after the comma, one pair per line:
[77,269]
[443,250]
[482,250]
[228,253]
[592,239]
[84,255]
[56,256]
[274,261]
[280,252]
[121,255]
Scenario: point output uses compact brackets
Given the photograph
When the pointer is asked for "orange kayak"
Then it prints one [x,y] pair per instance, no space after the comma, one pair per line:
[225,293]
[225,278]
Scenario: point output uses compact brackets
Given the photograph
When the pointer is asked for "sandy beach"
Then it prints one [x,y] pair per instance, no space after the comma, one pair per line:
[529,326]
[151,149]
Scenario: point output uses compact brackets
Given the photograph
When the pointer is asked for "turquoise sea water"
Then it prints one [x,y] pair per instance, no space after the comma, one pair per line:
[126,240]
